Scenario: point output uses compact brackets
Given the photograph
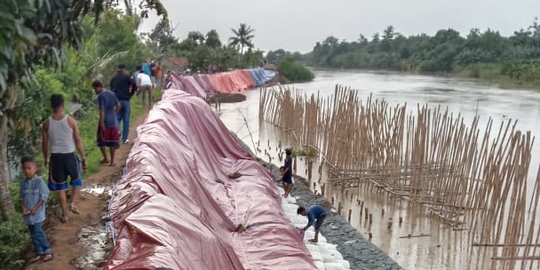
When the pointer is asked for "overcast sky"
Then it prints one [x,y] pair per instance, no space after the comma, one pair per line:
[296,25]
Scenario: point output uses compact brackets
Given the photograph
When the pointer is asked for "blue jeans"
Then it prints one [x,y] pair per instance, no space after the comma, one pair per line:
[123,116]
[41,245]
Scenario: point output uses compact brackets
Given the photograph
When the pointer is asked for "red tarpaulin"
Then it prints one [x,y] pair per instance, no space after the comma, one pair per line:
[175,206]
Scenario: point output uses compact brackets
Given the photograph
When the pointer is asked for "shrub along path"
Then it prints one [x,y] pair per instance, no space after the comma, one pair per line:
[63,237]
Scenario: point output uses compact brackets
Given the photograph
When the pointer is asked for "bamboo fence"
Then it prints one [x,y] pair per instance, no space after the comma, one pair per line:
[471,178]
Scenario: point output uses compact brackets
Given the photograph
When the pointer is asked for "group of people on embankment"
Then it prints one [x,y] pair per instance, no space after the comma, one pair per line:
[61,141]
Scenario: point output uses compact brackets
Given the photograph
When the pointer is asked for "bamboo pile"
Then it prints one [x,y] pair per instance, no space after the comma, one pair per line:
[471,178]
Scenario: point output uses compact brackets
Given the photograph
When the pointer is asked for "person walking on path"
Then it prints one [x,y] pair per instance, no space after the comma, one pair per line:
[33,195]
[316,215]
[124,88]
[108,135]
[60,138]
[145,86]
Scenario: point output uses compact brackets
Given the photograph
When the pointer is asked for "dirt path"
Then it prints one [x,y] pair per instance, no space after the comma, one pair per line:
[63,237]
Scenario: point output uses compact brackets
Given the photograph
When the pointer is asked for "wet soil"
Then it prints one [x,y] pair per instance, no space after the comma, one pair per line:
[227,98]
[66,239]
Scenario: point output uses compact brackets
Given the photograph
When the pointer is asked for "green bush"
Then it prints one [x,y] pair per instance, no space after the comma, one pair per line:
[15,238]
[294,72]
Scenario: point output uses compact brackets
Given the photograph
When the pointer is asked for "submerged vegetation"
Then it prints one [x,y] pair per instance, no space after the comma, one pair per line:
[293,71]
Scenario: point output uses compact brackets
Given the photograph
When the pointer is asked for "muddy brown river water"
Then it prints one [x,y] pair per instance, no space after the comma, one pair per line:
[433,245]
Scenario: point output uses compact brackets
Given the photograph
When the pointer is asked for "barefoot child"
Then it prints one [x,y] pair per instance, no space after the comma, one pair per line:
[287,173]
[34,194]
[288,183]
[316,215]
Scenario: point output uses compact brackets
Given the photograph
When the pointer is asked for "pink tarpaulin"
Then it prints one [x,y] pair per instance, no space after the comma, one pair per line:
[175,206]
[202,85]
[232,81]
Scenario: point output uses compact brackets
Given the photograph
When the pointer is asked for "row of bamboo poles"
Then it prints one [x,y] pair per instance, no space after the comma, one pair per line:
[473,179]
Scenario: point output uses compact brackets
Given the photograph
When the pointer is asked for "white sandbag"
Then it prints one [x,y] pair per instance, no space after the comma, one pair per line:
[291,200]
[327,246]
[309,234]
[334,266]
[320,265]
[346,264]
[329,258]
[317,256]
[334,253]
[312,248]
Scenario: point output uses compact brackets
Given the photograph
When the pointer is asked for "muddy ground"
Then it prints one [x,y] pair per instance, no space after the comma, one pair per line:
[68,240]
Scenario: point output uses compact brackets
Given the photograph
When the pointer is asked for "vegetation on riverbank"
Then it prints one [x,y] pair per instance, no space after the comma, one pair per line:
[205,50]
[294,72]
[524,74]
[85,50]
[486,55]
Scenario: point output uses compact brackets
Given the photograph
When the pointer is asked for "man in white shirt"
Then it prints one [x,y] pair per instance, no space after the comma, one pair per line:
[145,86]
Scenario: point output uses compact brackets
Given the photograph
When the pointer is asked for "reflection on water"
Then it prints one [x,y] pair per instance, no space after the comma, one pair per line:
[432,245]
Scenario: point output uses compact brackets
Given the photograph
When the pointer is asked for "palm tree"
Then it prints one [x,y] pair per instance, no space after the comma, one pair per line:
[243,37]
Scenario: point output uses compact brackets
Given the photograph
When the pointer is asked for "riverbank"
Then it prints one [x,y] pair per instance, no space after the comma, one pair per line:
[506,76]
[353,246]
[488,74]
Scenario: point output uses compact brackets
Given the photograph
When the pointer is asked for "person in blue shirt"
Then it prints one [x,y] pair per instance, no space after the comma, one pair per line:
[33,194]
[146,67]
[316,215]
[108,134]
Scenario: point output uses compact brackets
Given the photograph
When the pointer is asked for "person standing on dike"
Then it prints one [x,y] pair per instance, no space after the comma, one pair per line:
[60,138]
[287,173]
[124,88]
[108,135]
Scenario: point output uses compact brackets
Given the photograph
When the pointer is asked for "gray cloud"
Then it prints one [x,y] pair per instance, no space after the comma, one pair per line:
[297,24]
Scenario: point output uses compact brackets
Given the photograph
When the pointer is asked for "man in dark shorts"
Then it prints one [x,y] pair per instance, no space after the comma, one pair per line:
[124,88]
[316,215]
[108,135]
[287,173]
[60,138]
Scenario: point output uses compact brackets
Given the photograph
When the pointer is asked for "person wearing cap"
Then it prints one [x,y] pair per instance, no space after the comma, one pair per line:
[124,87]
[316,215]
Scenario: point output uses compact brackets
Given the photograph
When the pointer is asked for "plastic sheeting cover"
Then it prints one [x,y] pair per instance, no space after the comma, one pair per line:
[261,76]
[176,207]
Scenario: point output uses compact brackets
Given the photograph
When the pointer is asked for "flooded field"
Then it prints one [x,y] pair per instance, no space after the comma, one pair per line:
[408,233]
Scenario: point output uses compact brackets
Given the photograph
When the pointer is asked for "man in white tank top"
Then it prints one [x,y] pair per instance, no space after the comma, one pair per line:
[60,139]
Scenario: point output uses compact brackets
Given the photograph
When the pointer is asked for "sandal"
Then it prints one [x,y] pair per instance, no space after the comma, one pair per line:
[104,161]
[36,259]
[48,257]
[74,209]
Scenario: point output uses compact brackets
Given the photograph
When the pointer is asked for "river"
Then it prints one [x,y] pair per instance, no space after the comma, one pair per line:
[440,248]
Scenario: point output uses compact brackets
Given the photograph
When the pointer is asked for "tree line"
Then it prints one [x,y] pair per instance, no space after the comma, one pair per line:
[476,54]
[203,50]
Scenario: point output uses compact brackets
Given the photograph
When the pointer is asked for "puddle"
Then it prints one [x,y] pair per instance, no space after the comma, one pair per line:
[96,245]
[98,190]
[96,239]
